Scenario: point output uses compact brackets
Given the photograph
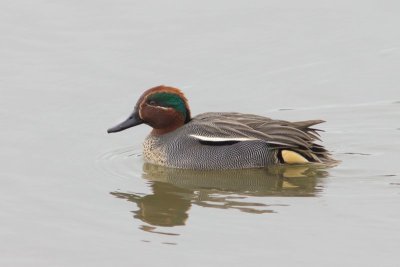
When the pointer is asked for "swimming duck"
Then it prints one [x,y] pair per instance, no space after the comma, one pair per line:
[219,140]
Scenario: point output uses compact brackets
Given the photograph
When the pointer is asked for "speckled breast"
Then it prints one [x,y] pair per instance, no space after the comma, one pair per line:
[153,151]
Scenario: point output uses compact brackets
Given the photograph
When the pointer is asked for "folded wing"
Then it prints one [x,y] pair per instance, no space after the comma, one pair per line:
[219,128]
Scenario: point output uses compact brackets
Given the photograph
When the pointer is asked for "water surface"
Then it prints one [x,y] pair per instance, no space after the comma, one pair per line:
[71,195]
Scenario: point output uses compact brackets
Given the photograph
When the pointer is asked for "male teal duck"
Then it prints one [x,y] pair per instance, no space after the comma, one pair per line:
[219,140]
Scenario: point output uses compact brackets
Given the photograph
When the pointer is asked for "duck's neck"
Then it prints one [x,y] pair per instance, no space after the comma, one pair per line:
[175,123]
[166,122]
[165,130]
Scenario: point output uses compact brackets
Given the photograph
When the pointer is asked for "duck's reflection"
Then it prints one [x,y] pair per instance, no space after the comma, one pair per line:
[175,190]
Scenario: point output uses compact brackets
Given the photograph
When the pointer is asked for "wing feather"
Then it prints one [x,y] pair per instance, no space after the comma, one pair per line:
[232,126]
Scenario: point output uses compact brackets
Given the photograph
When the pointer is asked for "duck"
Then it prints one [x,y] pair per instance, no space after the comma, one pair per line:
[219,140]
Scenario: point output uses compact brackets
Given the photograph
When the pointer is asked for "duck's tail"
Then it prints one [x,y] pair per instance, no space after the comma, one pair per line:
[314,152]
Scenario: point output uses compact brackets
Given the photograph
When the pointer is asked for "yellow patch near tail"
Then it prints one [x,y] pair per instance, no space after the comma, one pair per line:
[288,185]
[292,157]
[295,171]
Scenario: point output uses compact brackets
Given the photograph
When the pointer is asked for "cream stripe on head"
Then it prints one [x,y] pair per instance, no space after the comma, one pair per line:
[168,90]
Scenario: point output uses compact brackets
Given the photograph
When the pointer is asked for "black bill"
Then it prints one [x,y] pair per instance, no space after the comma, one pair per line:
[133,120]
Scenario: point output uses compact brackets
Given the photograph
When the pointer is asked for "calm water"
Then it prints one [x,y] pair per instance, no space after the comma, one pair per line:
[71,195]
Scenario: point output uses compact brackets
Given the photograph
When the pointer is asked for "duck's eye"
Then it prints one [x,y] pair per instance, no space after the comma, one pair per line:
[152,102]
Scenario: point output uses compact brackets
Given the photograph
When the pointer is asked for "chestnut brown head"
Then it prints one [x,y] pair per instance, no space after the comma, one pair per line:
[164,108]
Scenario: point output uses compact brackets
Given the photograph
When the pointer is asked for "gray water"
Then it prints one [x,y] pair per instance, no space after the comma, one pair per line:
[71,195]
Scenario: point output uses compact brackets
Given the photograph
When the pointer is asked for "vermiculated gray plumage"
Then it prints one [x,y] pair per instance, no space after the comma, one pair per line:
[180,149]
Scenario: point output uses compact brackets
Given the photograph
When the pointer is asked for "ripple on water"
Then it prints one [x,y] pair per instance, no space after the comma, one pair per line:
[124,162]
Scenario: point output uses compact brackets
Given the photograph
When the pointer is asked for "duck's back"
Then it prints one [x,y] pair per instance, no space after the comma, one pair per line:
[233,141]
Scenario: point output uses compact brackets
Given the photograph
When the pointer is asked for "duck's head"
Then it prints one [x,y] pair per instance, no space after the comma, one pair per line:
[164,108]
